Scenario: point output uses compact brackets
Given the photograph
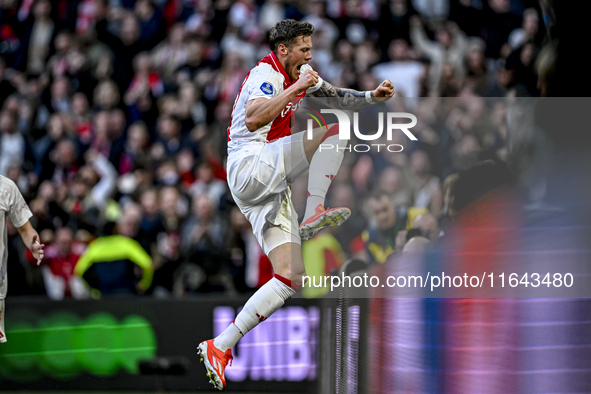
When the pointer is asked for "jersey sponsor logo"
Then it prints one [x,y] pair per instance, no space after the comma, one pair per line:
[267,88]
[291,107]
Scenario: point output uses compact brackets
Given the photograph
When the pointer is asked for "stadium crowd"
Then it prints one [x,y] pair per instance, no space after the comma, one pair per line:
[114,114]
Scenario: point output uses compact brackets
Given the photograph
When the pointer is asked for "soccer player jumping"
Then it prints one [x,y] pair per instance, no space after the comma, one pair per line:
[264,159]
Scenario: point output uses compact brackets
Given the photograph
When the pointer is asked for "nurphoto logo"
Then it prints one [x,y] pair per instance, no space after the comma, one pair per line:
[391,120]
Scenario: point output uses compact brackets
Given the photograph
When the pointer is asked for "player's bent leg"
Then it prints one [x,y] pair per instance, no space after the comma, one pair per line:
[311,145]
[288,264]
[324,166]
[289,270]
[294,157]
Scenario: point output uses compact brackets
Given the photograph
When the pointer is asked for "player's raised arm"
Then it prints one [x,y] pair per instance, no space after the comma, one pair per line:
[261,111]
[354,99]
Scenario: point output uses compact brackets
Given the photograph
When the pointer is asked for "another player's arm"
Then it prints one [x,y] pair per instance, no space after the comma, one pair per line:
[354,99]
[261,111]
[31,239]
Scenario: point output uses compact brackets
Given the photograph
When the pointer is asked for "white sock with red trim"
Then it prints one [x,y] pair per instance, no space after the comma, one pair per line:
[228,338]
[323,169]
[263,303]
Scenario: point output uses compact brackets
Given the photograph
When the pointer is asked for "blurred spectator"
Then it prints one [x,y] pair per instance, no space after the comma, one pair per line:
[342,69]
[449,48]
[145,83]
[204,233]
[348,234]
[521,63]
[100,176]
[405,73]
[249,267]
[478,77]
[58,267]
[354,20]
[199,22]
[380,236]
[151,22]
[529,30]
[172,53]
[173,208]
[321,254]
[497,23]
[190,109]
[90,191]
[427,223]
[416,245]
[398,187]
[59,100]
[6,87]
[36,37]
[427,186]
[243,20]
[394,24]
[125,46]
[12,143]
[433,11]
[79,118]
[169,141]
[325,35]
[47,209]
[87,13]
[205,236]
[232,74]
[152,223]
[271,12]
[135,151]
[106,95]
[206,183]
[117,264]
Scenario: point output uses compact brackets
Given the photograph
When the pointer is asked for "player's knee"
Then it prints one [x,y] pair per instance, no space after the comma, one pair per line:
[294,274]
[297,276]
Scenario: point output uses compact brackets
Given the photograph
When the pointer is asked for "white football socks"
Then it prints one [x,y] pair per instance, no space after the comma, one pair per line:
[324,167]
[228,338]
[263,303]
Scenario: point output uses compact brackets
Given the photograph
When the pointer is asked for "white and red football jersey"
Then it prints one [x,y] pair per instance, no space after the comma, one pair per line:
[267,80]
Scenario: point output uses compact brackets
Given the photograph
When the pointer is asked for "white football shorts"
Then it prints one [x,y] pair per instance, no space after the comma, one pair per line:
[259,176]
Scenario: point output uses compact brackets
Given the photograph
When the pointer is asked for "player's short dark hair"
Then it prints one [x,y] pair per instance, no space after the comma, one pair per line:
[287,32]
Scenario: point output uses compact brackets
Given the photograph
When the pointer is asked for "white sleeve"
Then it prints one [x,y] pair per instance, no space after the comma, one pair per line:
[18,210]
[263,84]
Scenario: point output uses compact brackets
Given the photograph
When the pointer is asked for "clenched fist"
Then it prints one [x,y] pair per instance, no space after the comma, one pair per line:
[307,79]
[384,91]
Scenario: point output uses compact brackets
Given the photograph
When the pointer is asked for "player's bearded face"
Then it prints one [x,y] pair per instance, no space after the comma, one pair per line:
[300,53]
